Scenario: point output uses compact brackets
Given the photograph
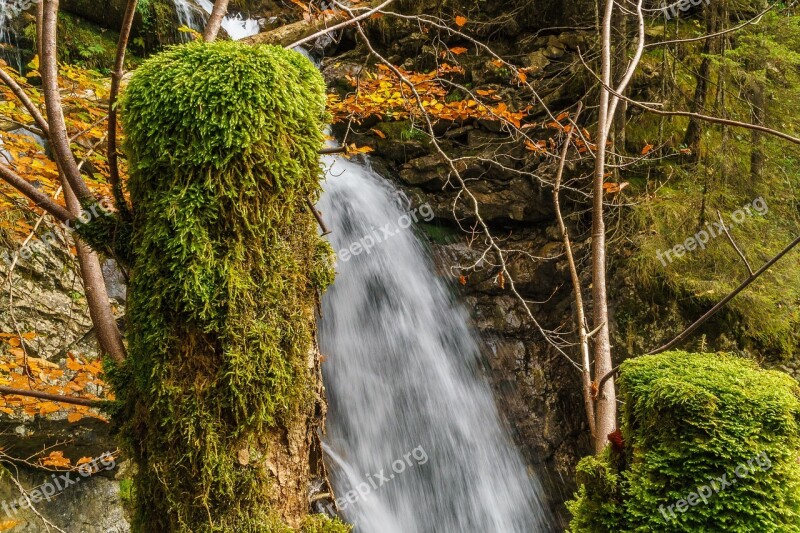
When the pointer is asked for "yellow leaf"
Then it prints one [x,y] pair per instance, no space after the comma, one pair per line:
[6,525]
[74,417]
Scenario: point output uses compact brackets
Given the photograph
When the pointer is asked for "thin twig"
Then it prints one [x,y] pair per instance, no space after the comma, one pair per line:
[51,397]
[733,243]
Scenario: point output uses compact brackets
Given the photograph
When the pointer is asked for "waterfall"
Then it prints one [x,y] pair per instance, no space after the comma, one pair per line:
[414,440]
[9,40]
[236,26]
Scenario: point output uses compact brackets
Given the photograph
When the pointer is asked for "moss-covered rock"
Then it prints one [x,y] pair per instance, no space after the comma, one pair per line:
[710,444]
[220,393]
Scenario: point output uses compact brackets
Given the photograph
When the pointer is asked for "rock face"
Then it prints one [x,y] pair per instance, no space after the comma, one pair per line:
[88,505]
[44,295]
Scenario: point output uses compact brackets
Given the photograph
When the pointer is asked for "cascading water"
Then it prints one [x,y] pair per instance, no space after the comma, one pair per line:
[9,42]
[414,439]
[236,26]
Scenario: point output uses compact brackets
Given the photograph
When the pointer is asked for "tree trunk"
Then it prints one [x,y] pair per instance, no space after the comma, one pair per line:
[215,20]
[694,130]
[222,394]
[606,405]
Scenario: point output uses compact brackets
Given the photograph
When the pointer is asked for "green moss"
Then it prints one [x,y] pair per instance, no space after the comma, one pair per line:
[85,44]
[222,141]
[688,419]
[322,524]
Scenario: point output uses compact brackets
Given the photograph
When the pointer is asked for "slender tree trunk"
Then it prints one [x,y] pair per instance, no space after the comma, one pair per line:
[215,20]
[694,130]
[116,79]
[606,404]
[620,63]
[105,324]
[75,190]
[48,67]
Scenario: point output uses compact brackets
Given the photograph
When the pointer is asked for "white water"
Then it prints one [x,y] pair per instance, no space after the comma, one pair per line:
[235,25]
[9,50]
[402,374]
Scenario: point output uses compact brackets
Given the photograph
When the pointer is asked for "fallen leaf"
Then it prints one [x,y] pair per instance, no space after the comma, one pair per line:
[460,21]
[646,149]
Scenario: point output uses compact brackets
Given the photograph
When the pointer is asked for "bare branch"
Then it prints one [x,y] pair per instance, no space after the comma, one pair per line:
[26,101]
[38,197]
[711,312]
[51,397]
[733,243]
[580,317]
[116,79]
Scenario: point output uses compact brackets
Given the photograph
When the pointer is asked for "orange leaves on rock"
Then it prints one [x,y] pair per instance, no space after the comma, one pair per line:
[382,95]
[460,21]
[74,378]
[56,459]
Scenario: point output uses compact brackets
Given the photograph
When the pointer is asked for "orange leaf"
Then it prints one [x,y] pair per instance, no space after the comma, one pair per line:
[462,280]
[74,417]
[522,76]
[378,132]
[56,459]
[647,148]
[460,21]
[458,50]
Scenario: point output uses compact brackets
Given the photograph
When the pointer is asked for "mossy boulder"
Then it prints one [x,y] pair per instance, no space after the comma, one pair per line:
[220,397]
[711,443]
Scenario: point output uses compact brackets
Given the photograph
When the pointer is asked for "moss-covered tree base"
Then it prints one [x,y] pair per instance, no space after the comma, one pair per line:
[711,444]
[221,392]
